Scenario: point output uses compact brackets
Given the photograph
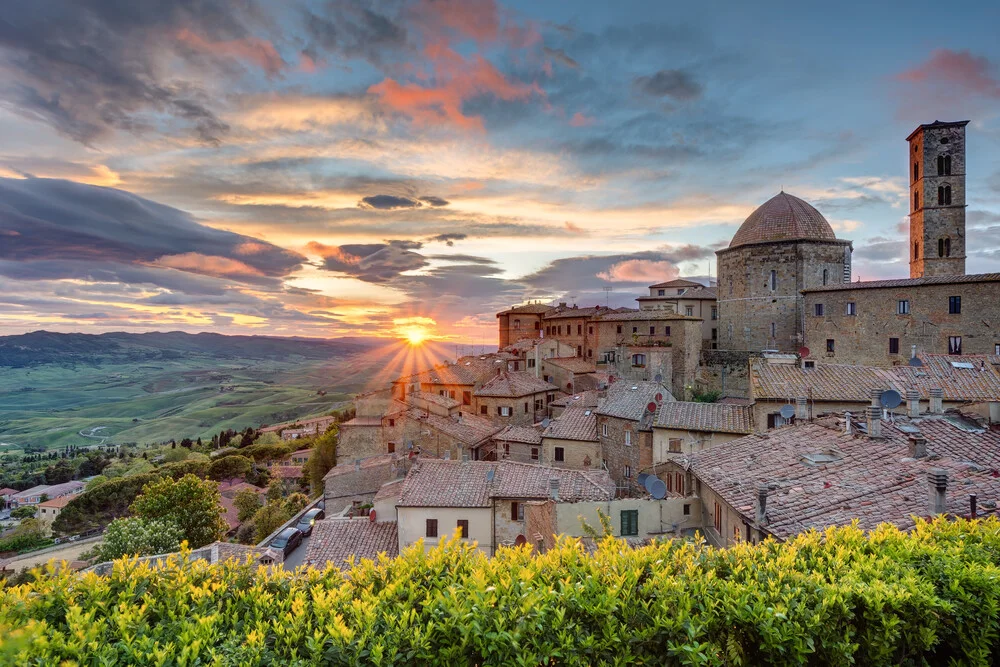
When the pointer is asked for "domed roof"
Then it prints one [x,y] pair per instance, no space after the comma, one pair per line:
[783,218]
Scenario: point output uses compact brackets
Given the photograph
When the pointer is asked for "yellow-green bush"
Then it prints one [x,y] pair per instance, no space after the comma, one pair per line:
[838,597]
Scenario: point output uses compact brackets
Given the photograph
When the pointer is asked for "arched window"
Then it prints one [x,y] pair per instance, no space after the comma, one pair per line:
[947,247]
[940,165]
[947,165]
[826,276]
[947,195]
[940,247]
[916,201]
[916,171]
[916,250]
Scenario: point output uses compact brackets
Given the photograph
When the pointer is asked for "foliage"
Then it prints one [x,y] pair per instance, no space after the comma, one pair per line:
[838,597]
[26,512]
[247,533]
[190,503]
[268,518]
[322,459]
[96,481]
[707,396]
[269,438]
[189,466]
[29,534]
[295,503]
[229,467]
[97,507]
[134,536]
[265,453]
[247,503]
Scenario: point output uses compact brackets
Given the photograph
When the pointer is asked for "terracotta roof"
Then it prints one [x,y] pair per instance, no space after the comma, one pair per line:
[438,483]
[523,345]
[7,492]
[572,364]
[525,434]
[820,476]
[676,283]
[301,452]
[584,398]
[33,491]
[514,384]
[841,382]
[908,282]
[348,467]
[652,315]
[287,472]
[709,417]
[563,313]
[469,370]
[532,308]
[389,491]
[735,400]
[783,218]
[628,400]
[575,423]
[468,429]
[592,382]
[335,541]
[437,399]
[61,501]
[230,490]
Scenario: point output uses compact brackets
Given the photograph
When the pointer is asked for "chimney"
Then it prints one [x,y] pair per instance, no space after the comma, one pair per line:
[913,403]
[874,422]
[918,446]
[848,426]
[562,304]
[761,517]
[554,488]
[801,409]
[937,398]
[465,456]
[938,478]
[972,506]
[876,395]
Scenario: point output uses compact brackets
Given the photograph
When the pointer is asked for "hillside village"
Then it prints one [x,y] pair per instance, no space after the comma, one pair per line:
[782,397]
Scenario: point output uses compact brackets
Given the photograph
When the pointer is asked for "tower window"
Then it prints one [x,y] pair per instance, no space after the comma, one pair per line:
[944,195]
[826,276]
[944,165]
[916,201]
[893,346]
[774,329]
[947,247]
[916,171]
[954,305]
[940,247]
[916,250]
[774,280]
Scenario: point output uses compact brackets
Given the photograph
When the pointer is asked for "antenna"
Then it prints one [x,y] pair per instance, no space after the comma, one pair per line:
[607,295]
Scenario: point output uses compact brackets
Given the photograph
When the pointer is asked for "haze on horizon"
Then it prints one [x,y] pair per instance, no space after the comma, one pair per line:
[406,168]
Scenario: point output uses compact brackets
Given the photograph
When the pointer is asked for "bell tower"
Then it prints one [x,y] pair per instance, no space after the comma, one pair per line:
[937,199]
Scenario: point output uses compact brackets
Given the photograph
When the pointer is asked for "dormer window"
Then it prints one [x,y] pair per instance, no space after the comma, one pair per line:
[661,292]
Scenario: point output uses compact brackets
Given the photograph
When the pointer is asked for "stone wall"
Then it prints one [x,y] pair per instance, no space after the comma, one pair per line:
[725,371]
[577,454]
[360,441]
[611,433]
[864,338]
[929,220]
[522,409]
[360,482]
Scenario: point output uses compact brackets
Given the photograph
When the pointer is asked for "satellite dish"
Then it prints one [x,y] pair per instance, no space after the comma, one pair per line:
[890,399]
[658,489]
[658,398]
[915,362]
[648,482]
[489,475]
[787,411]
[658,377]
[651,406]
[803,351]
[520,541]
[371,515]
[546,422]
[643,478]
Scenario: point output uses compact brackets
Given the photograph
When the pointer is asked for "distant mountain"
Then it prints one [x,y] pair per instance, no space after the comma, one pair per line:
[45,347]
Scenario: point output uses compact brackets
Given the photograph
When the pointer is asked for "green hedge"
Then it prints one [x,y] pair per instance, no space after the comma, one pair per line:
[839,597]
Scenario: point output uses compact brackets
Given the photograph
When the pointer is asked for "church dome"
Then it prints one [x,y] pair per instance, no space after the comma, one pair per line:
[783,218]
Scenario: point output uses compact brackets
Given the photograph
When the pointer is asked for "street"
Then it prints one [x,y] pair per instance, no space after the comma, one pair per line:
[296,558]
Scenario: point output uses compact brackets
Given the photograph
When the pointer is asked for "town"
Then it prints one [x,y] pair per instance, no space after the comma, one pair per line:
[782,397]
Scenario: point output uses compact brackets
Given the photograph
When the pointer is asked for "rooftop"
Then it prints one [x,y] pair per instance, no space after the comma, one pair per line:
[438,483]
[514,384]
[677,283]
[61,501]
[286,472]
[572,364]
[908,282]
[819,475]
[336,541]
[346,467]
[644,315]
[526,434]
[708,417]
[436,399]
[783,218]
[468,429]
[534,308]
[575,423]
[629,400]
[587,398]
[574,311]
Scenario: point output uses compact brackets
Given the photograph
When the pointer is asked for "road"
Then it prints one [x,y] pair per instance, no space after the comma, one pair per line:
[295,558]
[71,552]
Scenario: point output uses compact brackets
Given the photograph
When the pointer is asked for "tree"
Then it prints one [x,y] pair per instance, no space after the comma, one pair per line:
[295,503]
[322,460]
[275,491]
[194,505]
[229,467]
[95,508]
[247,503]
[96,481]
[268,518]
[26,512]
[135,536]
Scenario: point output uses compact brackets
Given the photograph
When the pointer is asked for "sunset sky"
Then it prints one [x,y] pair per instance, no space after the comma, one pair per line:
[344,167]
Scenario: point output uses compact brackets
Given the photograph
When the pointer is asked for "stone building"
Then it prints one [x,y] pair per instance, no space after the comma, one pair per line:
[514,398]
[524,321]
[513,443]
[683,427]
[686,297]
[625,429]
[783,247]
[529,353]
[573,326]
[566,372]
[570,440]
[356,482]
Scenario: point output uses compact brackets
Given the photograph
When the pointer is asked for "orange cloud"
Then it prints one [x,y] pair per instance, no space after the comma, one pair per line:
[250,248]
[640,270]
[209,265]
[959,69]
[260,52]
[478,20]
[580,120]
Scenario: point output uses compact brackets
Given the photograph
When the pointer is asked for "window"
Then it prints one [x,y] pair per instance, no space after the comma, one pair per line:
[539,404]
[852,308]
[391,447]
[996,348]
[635,330]
[715,313]
[916,171]
[893,346]
[538,326]
[590,330]
[687,510]
[609,357]
[560,454]
[674,445]
[717,519]
[467,395]
[652,331]
[392,423]
[579,350]
[559,330]
[483,410]
[661,292]
[526,411]
[579,329]
[829,345]
[462,527]
[774,329]
[517,324]
[774,280]
[916,200]
[628,472]
[689,311]
[628,440]
[736,533]
[916,250]
[808,365]
[944,165]
[506,450]
[680,483]
[630,523]
[534,453]
[954,305]
[531,364]
[503,410]
[670,482]
[903,307]
[451,394]
[432,528]
[826,276]
[947,247]
[954,345]
[604,428]
[638,360]
[666,331]
[818,310]
[619,329]
[715,334]
[944,195]
[517,512]
[940,247]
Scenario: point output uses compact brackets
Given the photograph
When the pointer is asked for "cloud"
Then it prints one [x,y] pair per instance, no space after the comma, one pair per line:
[673,83]
[960,70]
[371,262]
[388,202]
[208,265]
[560,56]
[259,52]
[580,120]
[353,29]
[448,238]
[435,201]
[881,249]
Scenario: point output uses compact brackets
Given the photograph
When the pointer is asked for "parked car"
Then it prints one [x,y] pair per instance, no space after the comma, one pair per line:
[287,540]
[309,520]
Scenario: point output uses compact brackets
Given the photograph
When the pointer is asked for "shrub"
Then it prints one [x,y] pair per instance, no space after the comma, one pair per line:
[134,536]
[97,507]
[192,504]
[30,534]
[838,597]
[229,467]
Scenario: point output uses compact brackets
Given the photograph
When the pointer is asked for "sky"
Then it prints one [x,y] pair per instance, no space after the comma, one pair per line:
[349,167]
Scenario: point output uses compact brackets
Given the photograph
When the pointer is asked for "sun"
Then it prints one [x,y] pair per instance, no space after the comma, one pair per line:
[415,336]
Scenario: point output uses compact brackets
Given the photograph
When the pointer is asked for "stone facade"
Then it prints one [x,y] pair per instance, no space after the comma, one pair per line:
[937,200]
[576,454]
[875,331]
[626,448]
[759,299]
[522,410]
[725,371]
[359,481]
[520,322]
